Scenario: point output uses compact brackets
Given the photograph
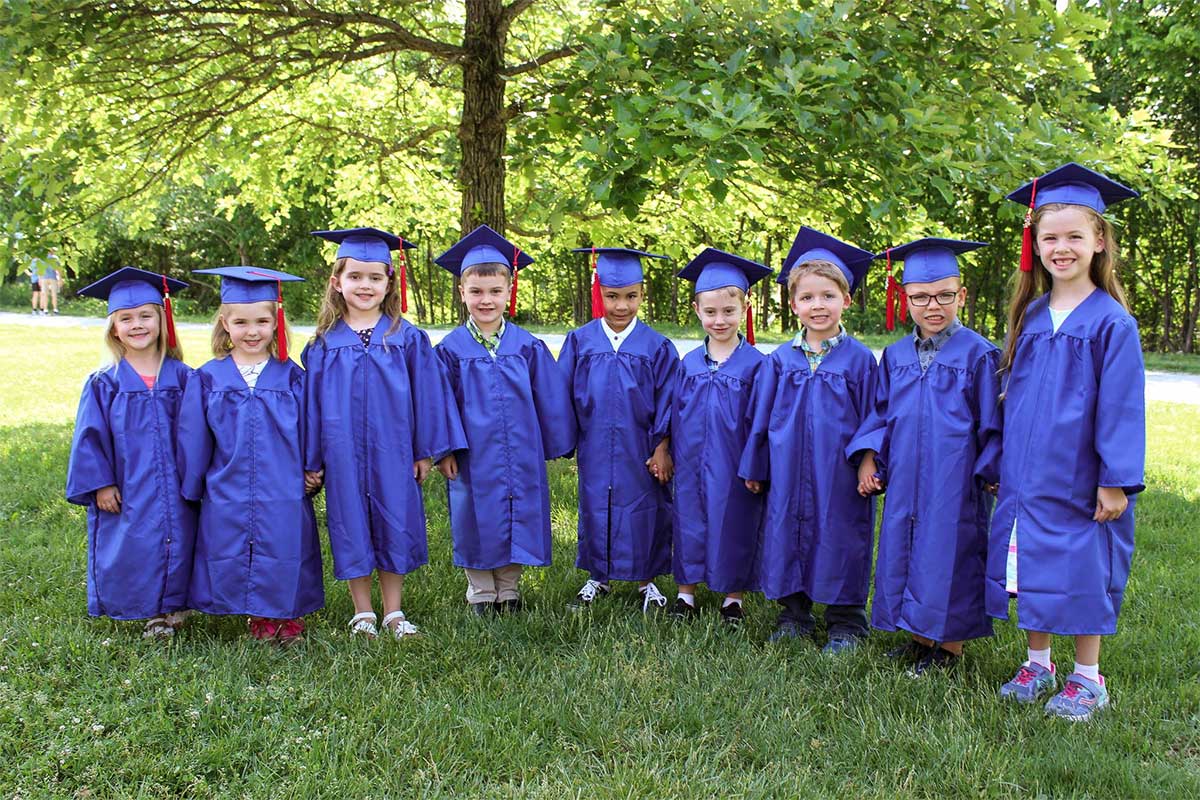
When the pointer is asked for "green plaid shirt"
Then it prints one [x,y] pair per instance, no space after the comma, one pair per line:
[490,343]
[816,357]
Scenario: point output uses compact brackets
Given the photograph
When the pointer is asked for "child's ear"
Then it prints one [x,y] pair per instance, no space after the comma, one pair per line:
[224,325]
[1100,243]
[846,301]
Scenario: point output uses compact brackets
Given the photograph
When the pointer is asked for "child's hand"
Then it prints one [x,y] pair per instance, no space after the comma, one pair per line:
[660,464]
[1111,503]
[421,469]
[755,486]
[868,476]
[109,499]
[448,466]
[313,481]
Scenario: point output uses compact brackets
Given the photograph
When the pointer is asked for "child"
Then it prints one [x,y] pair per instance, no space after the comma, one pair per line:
[517,414]
[241,455]
[716,527]
[622,376]
[1074,439]
[140,531]
[936,424]
[808,401]
[377,410]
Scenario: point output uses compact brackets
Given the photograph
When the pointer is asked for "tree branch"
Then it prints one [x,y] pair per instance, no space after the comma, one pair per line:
[545,58]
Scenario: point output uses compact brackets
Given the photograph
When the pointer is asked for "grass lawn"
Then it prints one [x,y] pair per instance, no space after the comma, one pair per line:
[599,704]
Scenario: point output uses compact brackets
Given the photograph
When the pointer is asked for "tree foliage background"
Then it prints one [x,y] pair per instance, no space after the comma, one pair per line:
[190,133]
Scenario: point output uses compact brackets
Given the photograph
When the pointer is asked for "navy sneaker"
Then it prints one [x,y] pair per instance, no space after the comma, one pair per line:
[840,644]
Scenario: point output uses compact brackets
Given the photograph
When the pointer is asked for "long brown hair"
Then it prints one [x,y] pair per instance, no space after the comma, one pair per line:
[222,344]
[333,305]
[164,349]
[1029,286]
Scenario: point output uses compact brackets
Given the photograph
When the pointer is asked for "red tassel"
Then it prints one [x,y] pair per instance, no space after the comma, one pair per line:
[891,295]
[403,280]
[512,300]
[1027,233]
[903,302]
[171,340]
[597,296]
[750,324]
[280,323]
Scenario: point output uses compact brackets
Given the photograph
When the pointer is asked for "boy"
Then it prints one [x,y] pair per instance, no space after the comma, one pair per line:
[716,529]
[808,401]
[936,416]
[516,414]
[622,376]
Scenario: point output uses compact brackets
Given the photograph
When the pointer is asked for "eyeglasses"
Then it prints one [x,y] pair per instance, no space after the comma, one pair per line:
[942,299]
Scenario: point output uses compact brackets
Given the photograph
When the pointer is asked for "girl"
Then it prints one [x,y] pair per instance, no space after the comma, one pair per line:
[1074,439]
[378,409]
[241,454]
[122,467]
[716,518]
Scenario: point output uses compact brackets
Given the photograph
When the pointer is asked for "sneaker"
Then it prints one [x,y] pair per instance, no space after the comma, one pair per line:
[938,658]
[732,614]
[840,644]
[591,590]
[683,610]
[1031,682]
[481,609]
[910,652]
[1079,699]
[787,629]
[651,596]
[509,606]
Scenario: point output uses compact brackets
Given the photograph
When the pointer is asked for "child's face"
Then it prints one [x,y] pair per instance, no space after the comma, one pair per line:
[819,302]
[363,284]
[935,305]
[251,327]
[485,297]
[1066,242]
[137,328]
[621,304]
[720,313]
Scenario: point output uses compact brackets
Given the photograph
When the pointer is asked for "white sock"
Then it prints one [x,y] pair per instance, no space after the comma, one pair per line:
[690,599]
[1089,671]
[731,601]
[1041,657]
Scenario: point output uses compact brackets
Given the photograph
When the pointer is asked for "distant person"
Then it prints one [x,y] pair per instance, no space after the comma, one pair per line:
[51,281]
[140,532]
[35,286]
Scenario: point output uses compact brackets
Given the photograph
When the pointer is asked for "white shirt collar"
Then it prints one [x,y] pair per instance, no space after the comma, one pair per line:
[614,338]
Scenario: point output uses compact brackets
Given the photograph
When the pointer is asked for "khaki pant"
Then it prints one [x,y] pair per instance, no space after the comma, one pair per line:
[492,585]
[50,294]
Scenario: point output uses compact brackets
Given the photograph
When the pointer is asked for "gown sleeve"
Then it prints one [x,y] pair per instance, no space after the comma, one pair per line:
[313,359]
[566,366]
[552,402]
[985,386]
[195,446]
[92,464]
[872,431]
[666,384]
[437,428]
[1121,407]
[756,456]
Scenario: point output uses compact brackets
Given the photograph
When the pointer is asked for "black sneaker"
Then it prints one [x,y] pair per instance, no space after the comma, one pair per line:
[909,652]
[683,610]
[510,606]
[732,614]
[937,658]
[481,609]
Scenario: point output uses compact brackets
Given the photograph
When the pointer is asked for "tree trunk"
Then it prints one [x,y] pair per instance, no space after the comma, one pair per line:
[482,131]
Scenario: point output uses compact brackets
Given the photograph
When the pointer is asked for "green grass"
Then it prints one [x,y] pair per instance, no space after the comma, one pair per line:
[598,704]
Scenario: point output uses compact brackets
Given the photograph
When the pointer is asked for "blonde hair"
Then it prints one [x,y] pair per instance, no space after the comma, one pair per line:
[117,350]
[730,291]
[1033,284]
[821,268]
[486,270]
[222,344]
[333,305]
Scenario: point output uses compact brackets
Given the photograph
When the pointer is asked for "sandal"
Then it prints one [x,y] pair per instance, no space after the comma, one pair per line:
[363,624]
[158,628]
[176,618]
[402,628]
[263,629]
[289,631]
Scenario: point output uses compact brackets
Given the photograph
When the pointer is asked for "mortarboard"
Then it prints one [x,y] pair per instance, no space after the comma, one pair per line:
[1072,184]
[255,285]
[925,261]
[130,287]
[716,269]
[811,245]
[484,246]
[615,267]
[372,244]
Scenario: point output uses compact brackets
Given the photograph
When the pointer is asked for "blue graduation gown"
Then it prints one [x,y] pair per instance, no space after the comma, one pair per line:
[370,413]
[817,532]
[517,414]
[1074,420]
[716,519]
[938,438]
[140,560]
[622,402]
[240,455]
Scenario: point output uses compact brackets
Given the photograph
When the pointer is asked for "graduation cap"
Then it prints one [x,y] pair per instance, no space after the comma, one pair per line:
[716,269]
[130,287]
[484,246]
[615,267]
[1072,184]
[925,261]
[255,285]
[812,245]
[372,244]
